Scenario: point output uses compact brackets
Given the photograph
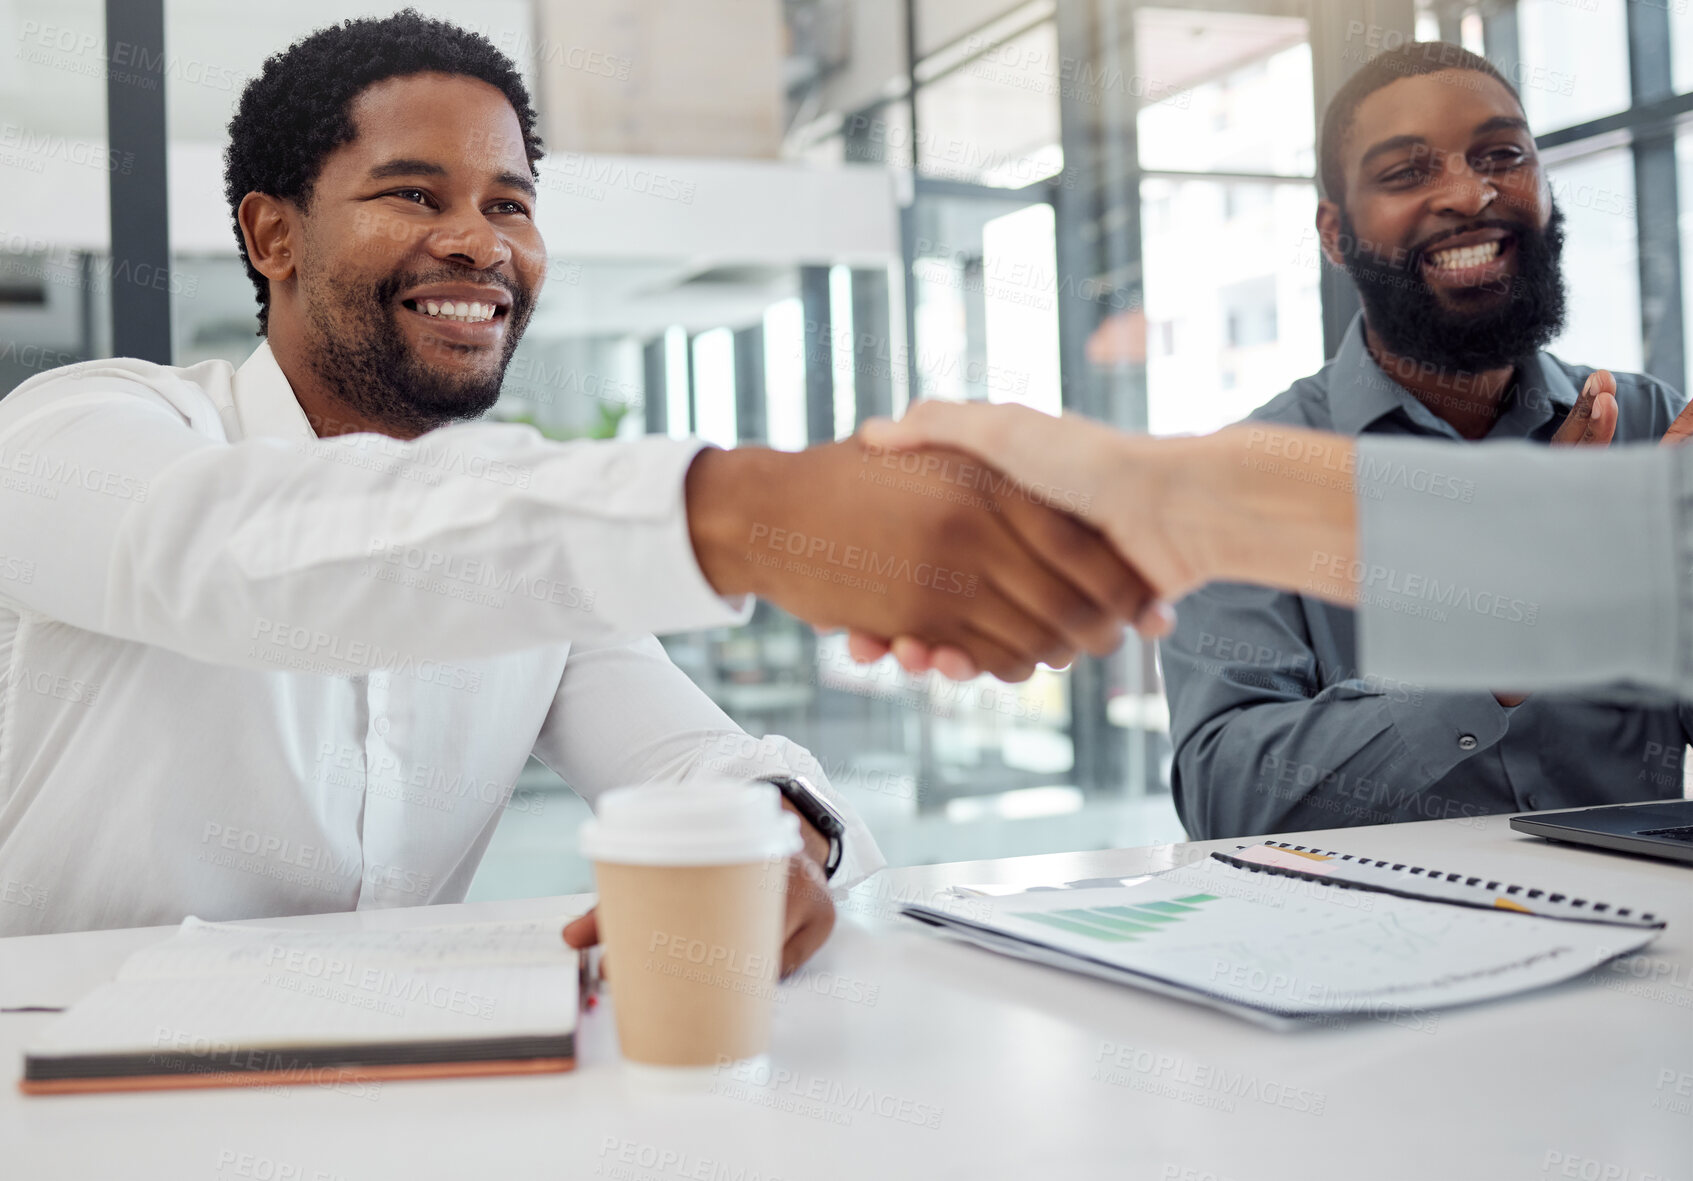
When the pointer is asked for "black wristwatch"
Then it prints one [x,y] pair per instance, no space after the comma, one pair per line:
[817,811]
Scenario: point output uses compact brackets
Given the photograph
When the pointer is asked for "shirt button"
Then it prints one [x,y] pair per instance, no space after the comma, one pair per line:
[1532,800]
[382,729]
[1466,742]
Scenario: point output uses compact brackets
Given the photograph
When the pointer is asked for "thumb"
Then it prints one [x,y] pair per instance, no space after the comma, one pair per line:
[1603,428]
[929,423]
[1681,429]
[583,932]
[1579,426]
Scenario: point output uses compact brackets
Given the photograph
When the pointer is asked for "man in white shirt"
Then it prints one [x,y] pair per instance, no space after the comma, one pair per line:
[277,645]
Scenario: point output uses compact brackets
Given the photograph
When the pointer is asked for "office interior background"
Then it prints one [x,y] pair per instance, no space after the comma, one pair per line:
[770,219]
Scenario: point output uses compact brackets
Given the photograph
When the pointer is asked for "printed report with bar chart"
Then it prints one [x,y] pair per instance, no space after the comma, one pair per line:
[1262,936]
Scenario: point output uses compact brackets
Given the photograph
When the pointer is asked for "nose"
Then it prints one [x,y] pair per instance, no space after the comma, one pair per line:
[1461,191]
[468,238]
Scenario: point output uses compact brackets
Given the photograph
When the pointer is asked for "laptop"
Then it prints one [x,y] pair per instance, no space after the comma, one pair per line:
[1662,829]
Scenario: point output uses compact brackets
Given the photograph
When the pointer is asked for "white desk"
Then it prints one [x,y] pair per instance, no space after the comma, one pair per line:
[1588,1080]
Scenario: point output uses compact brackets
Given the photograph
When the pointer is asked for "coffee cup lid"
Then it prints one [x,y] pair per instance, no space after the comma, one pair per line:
[714,822]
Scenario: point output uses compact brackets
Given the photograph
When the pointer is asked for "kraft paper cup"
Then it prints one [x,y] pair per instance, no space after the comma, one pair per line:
[689,918]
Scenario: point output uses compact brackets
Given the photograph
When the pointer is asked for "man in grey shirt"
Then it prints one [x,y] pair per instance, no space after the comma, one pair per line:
[1441,214]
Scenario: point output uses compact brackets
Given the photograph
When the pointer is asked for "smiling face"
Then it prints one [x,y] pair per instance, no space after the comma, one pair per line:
[1447,223]
[418,257]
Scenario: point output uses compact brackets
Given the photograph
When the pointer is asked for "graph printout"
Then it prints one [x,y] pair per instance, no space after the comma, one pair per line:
[1297,946]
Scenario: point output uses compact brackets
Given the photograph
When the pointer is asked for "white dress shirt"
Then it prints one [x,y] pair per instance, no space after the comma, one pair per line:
[245,672]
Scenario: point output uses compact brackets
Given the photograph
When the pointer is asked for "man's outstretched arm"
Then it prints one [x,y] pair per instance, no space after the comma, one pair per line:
[135,518]
[1472,568]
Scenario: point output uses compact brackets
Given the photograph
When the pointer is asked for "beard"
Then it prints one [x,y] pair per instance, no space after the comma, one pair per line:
[1487,327]
[360,351]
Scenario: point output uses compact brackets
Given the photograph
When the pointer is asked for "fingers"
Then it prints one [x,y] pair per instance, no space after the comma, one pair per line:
[996,624]
[1681,429]
[1090,594]
[914,655]
[954,664]
[933,423]
[993,656]
[1157,621]
[917,657]
[1592,422]
[865,648]
[583,932]
[810,915]
[1058,456]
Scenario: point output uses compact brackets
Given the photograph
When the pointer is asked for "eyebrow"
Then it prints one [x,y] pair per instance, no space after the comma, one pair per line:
[1391,144]
[1485,127]
[1501,123]
[411,167]
[516,180]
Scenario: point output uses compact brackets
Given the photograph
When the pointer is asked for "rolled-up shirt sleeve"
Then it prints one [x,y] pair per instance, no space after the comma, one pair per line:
[1512,567]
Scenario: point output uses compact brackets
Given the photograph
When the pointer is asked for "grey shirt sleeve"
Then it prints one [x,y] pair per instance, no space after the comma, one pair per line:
[1511,567]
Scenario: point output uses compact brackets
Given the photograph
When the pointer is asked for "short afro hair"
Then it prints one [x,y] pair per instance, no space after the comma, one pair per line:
[1405,61]
[297,111]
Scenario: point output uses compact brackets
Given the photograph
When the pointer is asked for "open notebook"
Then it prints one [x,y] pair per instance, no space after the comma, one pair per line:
[1287,936]
[221,1004]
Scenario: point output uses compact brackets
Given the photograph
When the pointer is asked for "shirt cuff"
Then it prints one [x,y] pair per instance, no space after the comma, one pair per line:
[1443,729]
[775,755]
[644,549]
[1513,566]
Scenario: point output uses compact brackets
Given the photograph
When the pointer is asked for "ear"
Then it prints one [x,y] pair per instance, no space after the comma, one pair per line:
[268,226]
[1328,232]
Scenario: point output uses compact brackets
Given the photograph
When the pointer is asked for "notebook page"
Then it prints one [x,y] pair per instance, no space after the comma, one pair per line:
[200,950]
[282,1009]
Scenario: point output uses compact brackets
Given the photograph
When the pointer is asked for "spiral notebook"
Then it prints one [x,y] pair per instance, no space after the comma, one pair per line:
[1284,935]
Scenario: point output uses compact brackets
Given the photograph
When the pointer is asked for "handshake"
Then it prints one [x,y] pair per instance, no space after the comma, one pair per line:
[991,538]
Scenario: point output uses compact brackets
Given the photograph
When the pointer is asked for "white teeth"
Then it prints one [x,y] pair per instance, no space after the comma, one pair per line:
[1465,256]
[464,313]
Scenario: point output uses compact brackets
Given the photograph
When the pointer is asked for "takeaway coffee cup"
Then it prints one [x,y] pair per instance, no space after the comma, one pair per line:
[691,884]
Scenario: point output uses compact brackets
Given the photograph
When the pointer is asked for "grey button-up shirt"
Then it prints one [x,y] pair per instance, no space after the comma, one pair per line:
[1276,730]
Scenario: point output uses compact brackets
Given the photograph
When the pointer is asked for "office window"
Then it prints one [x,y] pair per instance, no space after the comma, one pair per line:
[1021,308]
[56,272]
[1601,260]
[993,119]
[714,387]
[1573,61]
[1218,89]
[1681,46]
[1244,289]
[784,374]
[1233,261]
[1684,189]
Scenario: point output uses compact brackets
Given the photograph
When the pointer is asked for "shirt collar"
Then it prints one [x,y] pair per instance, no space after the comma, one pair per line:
[1544,392]
[1361,393]
[265,401]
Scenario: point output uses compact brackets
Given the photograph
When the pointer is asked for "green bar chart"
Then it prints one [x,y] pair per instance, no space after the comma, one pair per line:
[1118,924]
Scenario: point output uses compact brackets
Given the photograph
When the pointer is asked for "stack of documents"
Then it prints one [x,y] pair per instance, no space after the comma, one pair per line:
[1275,935]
